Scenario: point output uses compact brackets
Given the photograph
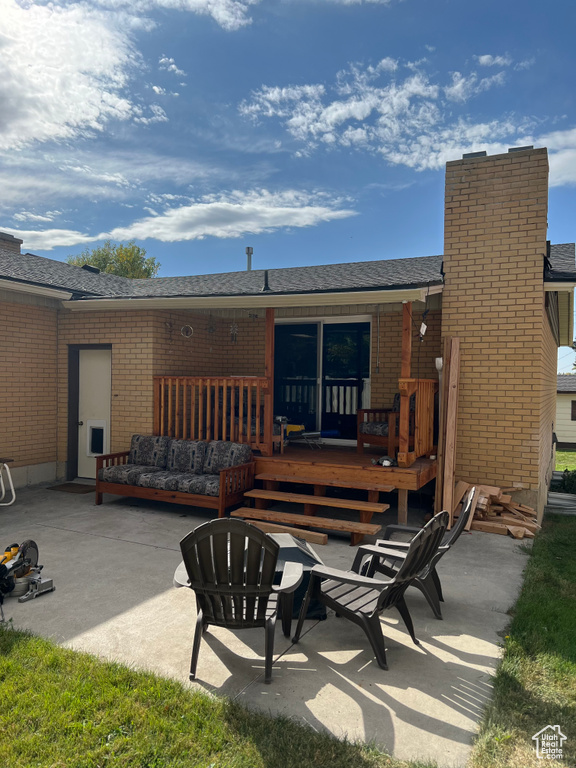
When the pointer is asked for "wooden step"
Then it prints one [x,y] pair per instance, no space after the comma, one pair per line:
[267,476]
[322,501]
[358,530]
[314,537]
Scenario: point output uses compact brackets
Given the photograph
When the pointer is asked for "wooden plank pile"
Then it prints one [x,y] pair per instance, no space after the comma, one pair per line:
[493,511]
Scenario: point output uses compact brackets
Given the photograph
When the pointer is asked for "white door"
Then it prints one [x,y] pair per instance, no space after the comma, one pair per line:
[94,397]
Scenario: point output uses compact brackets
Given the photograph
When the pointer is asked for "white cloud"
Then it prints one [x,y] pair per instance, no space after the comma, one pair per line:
[562,159]
[63,72]
[228,215]
[48,239]
[234,215]
[408,120]
[29,216]
[363,112]
[464,87]
[487,60]
[158,116]
[169,65]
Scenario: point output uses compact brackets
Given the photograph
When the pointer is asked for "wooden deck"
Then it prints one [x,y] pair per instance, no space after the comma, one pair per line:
[346,464]
[335,462]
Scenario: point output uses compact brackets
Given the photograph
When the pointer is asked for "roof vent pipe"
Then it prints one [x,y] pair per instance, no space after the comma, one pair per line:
[266,286]
[249,252]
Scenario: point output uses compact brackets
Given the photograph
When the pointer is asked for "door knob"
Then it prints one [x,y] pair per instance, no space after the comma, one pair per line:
[80,423]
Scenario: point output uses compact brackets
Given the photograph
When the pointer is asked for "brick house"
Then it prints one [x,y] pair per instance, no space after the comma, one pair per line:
[499,287]
[566,411]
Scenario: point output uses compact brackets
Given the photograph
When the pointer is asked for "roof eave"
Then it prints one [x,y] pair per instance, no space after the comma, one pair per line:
[263,299]
[36,289]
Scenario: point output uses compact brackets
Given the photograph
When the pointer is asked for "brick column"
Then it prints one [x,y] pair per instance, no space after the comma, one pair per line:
[495,242]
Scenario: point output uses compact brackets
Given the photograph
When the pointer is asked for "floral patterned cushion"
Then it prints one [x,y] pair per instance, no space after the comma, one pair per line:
[205,485]
[186,456]
[374,428]
[149,450]
[162,480]
[396,403]
[126,474]
[222,454]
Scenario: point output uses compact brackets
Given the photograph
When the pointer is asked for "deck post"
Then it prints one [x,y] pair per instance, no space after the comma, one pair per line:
[269,374]
[406,340]
[157,400]
[402,506]
[404,421]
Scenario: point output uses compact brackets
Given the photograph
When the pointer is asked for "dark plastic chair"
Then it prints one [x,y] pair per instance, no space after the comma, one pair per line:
[361,599]
[428,581]
[231,566]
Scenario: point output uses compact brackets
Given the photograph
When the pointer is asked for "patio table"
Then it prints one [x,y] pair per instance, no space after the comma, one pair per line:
[292,550]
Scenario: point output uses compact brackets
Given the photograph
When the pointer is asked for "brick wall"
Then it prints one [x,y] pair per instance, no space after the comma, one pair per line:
[200,354]
[132,338]
[28,394]
[385,376]
[493,300]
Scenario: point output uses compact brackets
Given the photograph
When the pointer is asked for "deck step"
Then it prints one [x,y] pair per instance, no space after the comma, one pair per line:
[322,501]
[268,476]
[328,523]
[314,537]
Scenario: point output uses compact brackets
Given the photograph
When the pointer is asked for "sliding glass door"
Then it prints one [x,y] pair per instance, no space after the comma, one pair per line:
[322,372]
[296,373]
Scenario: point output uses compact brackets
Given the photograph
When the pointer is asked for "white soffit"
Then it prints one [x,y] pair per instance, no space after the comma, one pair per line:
[566,317]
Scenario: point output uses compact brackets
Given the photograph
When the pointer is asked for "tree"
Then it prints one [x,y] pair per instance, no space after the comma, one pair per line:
[118,259]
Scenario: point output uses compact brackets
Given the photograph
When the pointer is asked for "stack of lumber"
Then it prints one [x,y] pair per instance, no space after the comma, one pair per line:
[493,511]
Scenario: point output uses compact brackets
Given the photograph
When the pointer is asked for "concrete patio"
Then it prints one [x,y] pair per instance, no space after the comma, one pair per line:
[113,567]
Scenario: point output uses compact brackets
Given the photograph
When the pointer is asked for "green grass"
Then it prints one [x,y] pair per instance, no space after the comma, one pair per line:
[64,709]
[565,460]
[535,684]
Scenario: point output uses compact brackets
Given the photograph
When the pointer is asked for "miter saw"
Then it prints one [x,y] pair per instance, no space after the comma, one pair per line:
[20,574]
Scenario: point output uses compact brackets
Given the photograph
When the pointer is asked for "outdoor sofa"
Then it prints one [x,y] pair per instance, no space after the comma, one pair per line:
[211,474]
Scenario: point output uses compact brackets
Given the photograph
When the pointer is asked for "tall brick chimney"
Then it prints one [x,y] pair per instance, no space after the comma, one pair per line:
[493,300]
[10,243]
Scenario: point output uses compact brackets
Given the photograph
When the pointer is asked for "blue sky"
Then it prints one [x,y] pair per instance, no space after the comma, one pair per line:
[313,131]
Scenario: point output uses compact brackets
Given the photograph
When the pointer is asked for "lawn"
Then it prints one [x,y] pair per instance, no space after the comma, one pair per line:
[565,460]
[535,685]
[65,709]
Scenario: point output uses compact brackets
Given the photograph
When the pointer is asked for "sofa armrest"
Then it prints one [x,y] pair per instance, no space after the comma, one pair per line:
[238,478]
[373,414]
[111,459]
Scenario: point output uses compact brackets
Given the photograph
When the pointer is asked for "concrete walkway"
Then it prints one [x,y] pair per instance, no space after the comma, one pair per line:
[113,567]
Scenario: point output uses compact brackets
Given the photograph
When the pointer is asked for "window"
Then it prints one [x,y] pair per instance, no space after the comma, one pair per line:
[573,404]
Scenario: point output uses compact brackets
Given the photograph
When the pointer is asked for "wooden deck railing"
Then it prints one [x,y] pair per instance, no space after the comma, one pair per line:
[423,439]
[215,408]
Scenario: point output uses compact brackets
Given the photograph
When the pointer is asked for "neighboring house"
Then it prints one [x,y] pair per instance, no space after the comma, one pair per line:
[72,336]
[566,411]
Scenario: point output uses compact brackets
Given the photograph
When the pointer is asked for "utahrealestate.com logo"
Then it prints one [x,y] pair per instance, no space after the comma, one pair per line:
[548,743]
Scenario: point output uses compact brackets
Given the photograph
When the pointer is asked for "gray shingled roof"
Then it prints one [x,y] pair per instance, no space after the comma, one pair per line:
[562,263]
[357,276]
[37,270]
[566,382]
